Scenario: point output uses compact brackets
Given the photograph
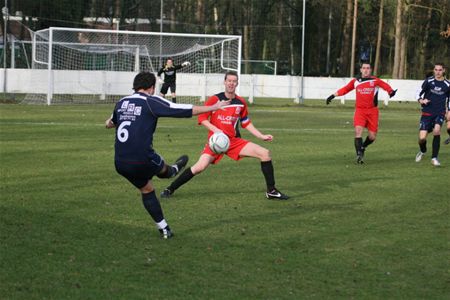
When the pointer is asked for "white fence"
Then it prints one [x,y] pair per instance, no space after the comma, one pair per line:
[24,81]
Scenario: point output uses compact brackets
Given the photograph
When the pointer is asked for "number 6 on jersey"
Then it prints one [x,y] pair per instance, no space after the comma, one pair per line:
[122,133]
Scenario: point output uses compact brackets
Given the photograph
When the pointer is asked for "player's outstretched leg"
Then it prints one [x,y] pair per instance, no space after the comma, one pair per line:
[254,150]
[203,162]
[182,179]
[173,170]
[268,172]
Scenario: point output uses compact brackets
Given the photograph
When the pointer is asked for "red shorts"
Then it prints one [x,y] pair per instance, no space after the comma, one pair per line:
[366,117]
[236,145]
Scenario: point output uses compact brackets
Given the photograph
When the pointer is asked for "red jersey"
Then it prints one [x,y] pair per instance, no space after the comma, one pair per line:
[227,119]
[366,90]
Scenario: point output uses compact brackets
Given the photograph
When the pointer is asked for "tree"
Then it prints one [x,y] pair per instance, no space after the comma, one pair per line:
[346,38]
[379,37]
[398,39]
[355,19]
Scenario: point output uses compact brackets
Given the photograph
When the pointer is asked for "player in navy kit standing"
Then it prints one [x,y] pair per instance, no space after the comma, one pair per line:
[135,118]
[433,96]
[170,77]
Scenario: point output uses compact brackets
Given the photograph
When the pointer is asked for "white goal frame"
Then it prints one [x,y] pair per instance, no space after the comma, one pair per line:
[49,63]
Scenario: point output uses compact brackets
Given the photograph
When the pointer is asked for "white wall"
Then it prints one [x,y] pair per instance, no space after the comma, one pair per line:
[253,86]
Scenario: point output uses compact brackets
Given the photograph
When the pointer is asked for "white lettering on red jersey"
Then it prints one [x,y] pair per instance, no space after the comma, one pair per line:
[366,90]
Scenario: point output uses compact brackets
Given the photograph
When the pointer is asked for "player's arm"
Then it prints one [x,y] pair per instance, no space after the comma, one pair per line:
[421,93]
[210,126]
[342,91]
[385,86]
[184,64]
[160,72]
[111,122]
[197,110]
[159,75]
[163,108]
[255,132]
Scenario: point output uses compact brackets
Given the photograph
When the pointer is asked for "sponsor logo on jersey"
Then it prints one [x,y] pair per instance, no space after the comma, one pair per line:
[130,107]
[137,110]
[366,90]
[226,119]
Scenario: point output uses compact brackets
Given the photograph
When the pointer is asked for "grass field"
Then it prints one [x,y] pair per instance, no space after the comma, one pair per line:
[72,228]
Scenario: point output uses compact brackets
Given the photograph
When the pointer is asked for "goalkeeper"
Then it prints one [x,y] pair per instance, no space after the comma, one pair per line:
[170,77]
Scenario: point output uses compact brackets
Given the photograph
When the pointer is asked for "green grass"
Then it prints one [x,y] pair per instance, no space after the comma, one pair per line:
[70,227]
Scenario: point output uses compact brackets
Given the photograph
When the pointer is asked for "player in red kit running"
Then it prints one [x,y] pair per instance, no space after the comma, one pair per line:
[366,110]
[227,121]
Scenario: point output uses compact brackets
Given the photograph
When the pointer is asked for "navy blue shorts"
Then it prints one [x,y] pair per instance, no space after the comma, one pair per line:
[140,173]
[427,122]
[165,87]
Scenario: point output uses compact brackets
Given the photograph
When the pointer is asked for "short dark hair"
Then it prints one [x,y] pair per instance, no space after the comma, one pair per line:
[440,64]
[365,62]
[230,72]
[144,80]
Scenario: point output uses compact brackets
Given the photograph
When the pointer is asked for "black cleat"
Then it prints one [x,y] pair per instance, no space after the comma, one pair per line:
[447,141]
[166,193]
[276,194]
[180,163]
[360,158]
[166,233]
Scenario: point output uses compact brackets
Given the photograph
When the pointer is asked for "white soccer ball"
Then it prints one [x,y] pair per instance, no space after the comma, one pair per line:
[219,142]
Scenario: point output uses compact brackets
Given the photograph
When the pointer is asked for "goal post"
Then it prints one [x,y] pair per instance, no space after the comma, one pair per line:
[97,66]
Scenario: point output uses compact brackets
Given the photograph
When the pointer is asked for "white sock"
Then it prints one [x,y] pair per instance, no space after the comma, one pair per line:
[162,224]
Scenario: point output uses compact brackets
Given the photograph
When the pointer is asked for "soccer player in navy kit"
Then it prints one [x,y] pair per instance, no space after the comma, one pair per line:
[170,77]
[135,118]
[433,97]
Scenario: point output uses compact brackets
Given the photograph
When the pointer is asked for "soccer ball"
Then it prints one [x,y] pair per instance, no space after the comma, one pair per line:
[219,143]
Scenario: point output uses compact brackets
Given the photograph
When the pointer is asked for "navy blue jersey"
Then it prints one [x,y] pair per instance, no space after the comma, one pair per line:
[438,92]
[136,117]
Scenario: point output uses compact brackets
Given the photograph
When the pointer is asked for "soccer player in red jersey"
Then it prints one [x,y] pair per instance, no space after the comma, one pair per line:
[227,121]
[366,110]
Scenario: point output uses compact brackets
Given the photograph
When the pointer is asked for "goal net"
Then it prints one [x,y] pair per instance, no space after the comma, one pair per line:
[73,65]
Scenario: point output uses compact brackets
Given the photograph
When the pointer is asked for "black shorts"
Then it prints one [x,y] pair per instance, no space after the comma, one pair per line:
[427,122]
[140,173]
[165,87]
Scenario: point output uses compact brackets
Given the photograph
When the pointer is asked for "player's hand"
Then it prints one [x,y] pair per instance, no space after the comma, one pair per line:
[221,104]
[160,81]
[109,123]
[186,63]
[424,101]
[392,94]
[267,137]
[331,97]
